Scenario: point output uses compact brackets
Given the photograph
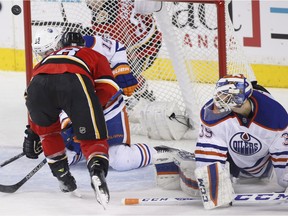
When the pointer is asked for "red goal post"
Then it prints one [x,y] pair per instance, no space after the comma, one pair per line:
[177,51]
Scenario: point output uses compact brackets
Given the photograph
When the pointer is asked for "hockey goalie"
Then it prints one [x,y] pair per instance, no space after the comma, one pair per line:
[243,134]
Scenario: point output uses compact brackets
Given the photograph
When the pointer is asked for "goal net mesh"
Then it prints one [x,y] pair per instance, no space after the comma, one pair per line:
[172,49]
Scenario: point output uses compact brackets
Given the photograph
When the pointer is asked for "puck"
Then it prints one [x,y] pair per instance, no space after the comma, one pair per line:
[16,9]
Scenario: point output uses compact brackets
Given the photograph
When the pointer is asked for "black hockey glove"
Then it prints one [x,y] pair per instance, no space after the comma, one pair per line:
[31,145]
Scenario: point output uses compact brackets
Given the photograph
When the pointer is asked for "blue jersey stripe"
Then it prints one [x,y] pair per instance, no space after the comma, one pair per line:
[208,145]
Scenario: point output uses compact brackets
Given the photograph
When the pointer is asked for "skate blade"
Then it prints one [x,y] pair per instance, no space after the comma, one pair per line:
[100,196]
[76,193]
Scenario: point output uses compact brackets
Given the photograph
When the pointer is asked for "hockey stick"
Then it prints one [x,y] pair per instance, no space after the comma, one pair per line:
[160,201]
[12,159]
[15,187]
[239,198]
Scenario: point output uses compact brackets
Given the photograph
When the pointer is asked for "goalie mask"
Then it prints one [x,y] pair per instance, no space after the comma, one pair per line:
[231,91]
[46,40]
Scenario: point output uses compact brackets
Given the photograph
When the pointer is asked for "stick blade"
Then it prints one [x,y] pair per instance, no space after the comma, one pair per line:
[9,188]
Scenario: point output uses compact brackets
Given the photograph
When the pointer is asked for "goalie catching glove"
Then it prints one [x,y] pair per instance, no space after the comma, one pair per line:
[32,144]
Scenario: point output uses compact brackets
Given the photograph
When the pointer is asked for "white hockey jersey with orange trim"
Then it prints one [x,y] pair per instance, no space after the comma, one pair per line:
[252,143]
[114,51]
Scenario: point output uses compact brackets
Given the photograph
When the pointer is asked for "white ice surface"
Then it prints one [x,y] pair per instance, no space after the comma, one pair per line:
[41,196]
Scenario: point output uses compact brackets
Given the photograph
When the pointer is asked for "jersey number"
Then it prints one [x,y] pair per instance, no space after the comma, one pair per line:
[68,51]
[205,132]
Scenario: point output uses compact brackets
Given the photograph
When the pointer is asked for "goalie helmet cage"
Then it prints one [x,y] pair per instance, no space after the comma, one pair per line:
[177,52]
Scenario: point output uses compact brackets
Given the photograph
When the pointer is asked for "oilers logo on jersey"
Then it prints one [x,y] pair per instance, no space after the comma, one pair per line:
[245,144]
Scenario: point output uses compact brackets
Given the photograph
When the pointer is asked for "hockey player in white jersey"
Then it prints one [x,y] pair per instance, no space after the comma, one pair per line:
[115,52]
[243,134]
[245,127]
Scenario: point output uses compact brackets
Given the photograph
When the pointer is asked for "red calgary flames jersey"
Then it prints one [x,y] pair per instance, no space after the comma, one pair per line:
[83,61]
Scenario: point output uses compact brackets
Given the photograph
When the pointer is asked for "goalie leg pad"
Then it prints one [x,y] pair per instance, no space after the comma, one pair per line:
[187,165]
[167,171]
[158,121]
[215,185]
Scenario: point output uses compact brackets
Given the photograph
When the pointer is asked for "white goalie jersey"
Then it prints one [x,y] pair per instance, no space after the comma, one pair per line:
[255,144]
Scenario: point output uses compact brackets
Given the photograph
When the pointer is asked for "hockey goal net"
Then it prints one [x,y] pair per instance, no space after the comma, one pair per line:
[176,49]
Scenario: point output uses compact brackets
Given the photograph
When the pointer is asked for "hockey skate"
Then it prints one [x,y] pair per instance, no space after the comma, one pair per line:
[174,151]
[98,181]
[60,170]
[163,149]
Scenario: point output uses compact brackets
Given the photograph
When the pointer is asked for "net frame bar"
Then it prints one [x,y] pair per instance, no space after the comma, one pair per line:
[222,56]
[28,39]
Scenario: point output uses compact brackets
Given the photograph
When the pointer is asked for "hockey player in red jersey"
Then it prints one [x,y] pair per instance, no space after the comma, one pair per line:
[79,81]
[122,154]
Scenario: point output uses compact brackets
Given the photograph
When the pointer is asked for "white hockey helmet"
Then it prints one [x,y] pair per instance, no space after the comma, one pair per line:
[46,40]
[232,91]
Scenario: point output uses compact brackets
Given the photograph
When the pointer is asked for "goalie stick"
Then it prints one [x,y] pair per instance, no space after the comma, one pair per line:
[238,198]
[12,159]
[15,187]
[160,201]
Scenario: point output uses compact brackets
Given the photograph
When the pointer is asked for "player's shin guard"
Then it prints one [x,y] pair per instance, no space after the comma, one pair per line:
[60,169]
